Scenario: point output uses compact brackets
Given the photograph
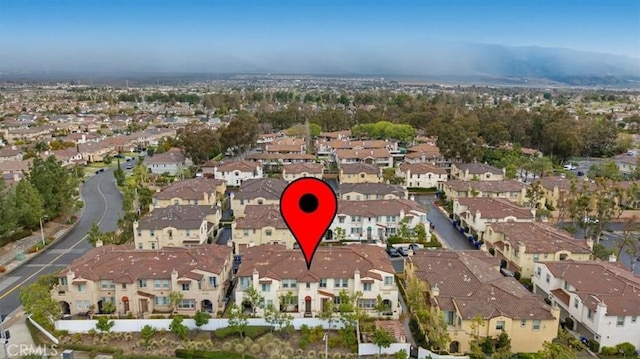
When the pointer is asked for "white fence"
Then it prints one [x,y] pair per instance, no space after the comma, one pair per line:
[424,353]
[372,349]
[136,325]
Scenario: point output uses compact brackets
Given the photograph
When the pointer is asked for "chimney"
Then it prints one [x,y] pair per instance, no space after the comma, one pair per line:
[590,243]
[356,277]
[99,243]
[613,258]
[435,291]
[255,277]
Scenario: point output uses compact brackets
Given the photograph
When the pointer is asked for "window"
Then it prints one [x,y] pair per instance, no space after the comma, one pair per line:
[62,281]
[523,324]
[266,287]
[536,257]
[620,321]
[367,287]
[267,232]
[367,303]
[187,304]
[142,283]
[139,245]
[449,317]
[107,284]
[576,302]
[337,283]
[213,281]
[348,198]
[634,319]
[160,283]
[260,201]
[245,233]
[536,325]
[357,219]
[176,202]
[388,280]
[244,282]
[82,304]
[548,279]
[124,286]
[590,314]
[170,234]
[188,233]
[185,287]
[323,282]
[308,285]
[161,301]
[567,286]
[500,325]
[152,233]
[538,272]
[153,245]
[82,288]
[289,283]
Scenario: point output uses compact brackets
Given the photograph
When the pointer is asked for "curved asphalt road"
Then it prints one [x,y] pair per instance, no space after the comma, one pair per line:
[102,204]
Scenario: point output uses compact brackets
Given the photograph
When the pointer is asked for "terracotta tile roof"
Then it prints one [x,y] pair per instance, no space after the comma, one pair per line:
[425,148]
[308,167]
[363,154]
[346,144]
[539,237]
[486,186]
[597,281]
[356,168]
[259,216]
[177,216]
[190,189]
[210,164]
[372,189]
[275,262]
[125,264]
[336,134]
[242,166]
[475,287]
[392,327]
[477,168]
[172,156]
[374,208]
[421,168]
[497,208]
[267,188]
[282,156]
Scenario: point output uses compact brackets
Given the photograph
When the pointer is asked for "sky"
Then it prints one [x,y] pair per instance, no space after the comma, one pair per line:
[236,35]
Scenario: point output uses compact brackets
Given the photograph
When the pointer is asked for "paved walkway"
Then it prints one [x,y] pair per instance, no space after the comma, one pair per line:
[405,322]
[20,335]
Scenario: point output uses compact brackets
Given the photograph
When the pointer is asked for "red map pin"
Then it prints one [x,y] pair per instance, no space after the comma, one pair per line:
[308,206]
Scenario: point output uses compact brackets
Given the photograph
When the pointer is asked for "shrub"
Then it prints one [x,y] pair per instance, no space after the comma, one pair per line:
[311,353]
[594,346]
[204,354]
[609,351]
[626,349]
[337,356]
[255,348]
[227,346]
[239,348]
[251,332]
[2,269]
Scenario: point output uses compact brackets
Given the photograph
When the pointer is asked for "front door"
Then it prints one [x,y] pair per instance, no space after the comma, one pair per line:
[125,305]
[144,306]
[307,306]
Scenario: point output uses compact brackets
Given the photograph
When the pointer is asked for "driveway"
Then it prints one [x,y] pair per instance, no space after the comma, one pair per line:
[444,229]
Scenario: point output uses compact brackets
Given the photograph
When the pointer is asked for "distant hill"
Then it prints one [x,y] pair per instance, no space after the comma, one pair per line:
[427,61]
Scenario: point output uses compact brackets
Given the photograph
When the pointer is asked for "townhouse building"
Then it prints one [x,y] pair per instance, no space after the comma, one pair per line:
[476,172]
[375,219]
[627,164]
[466,285]
[522,244]
[139,282]
[370,191]
[176,226]
[359,173]
[195,191]
[512,190]
[601,299]
[426,153]
[279,159]
[257,191]
[292,172]
[260,225]
[11,153]
[380,157]
[287,145]
[281,277]
[171,162]
[472,215]
[236,172]
[421,175]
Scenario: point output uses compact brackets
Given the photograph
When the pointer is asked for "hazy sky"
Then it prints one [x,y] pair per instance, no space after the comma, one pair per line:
[157,35]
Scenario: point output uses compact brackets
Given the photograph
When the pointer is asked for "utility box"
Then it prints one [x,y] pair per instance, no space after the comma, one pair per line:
[67,354]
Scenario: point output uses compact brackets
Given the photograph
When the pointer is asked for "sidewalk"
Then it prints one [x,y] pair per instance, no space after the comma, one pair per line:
[15,323]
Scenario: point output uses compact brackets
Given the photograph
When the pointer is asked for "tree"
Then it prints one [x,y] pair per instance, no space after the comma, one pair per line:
[435,327]
[201,318]
[238,320]
[420,231]
[119,175]
[254,298]
[415,292]
[340,234]
[327,312]
[606,207]
[7,218]
[630,241]
[146,333]
[104,325]
[29,208]
[178,328]
[94,235]
[241,132]
[553,350]
[55,185]
[382,339]
[535,193]
[381,307]
[175,298]
[199,142]
[280,321]
[403,231]
[37,302]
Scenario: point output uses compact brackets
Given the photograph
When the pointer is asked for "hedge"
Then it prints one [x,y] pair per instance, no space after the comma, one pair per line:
[93,348]
[203,354]
[252,331]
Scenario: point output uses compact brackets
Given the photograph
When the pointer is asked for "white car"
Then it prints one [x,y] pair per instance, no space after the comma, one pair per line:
[570,167]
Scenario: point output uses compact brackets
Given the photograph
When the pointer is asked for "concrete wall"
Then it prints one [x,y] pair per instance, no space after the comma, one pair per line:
[136,325]
[372,349]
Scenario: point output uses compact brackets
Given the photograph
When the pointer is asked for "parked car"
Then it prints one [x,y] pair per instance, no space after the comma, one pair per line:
[414,247]
[393,252]
[404,251]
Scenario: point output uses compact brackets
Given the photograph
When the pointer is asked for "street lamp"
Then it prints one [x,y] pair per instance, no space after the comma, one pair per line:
[42,230]
[326,344]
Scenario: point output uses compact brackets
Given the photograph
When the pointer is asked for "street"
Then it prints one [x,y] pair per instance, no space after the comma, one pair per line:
[102,204]
[444,229]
